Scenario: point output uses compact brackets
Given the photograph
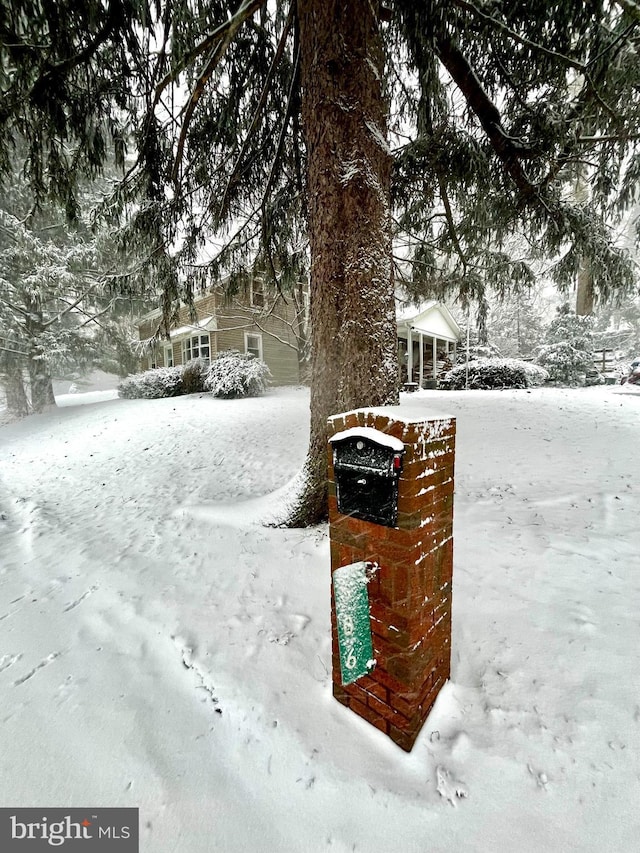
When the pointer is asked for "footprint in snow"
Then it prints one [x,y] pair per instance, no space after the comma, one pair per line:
[449,788]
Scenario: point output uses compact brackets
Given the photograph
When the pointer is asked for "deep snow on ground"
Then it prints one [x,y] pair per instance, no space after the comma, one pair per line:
[160,648]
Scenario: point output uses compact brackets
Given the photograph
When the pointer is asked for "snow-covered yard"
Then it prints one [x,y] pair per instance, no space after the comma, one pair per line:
[160,648]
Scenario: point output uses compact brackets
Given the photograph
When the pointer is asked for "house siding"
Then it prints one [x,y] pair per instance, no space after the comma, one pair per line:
[278,341]
[233,319]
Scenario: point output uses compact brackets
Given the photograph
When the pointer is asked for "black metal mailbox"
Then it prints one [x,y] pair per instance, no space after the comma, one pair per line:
[367,466]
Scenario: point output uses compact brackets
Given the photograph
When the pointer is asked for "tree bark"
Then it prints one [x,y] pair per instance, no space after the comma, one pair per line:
[13,387]
[584,289]
[42,396]
[353,340]
[40,383]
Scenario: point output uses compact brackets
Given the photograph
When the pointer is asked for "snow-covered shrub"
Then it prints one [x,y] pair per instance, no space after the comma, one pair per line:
[159,382]
[194,374]
[536,375]
[234,374]
[186,378]
[487,373]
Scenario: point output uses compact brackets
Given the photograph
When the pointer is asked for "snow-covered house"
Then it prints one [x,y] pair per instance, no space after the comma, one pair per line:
[258,321]
[268,325]
[427,341]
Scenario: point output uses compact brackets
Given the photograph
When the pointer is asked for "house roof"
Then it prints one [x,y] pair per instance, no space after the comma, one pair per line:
[430,318]
[207,323]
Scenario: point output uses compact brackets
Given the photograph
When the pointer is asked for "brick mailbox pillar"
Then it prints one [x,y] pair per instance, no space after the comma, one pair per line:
[390,526]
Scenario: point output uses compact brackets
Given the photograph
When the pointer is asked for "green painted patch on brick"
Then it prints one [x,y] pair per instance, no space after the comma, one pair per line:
[352,618]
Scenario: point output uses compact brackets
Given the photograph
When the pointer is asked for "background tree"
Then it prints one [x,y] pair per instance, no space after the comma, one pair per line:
[516,323]
[493,106]
[58,315]
[42,292]
[568,354]
[617,328]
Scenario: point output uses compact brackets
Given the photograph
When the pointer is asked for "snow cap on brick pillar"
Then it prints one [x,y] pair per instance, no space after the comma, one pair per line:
[391,482]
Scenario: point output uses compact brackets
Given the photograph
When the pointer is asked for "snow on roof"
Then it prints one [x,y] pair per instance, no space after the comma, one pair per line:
[193,327]
[430,318]
[406,311]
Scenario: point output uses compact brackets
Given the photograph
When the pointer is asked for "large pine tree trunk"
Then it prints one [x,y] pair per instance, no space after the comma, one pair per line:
[354,343]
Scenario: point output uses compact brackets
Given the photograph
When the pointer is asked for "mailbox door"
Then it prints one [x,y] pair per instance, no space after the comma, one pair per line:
[368,496]
[366,476]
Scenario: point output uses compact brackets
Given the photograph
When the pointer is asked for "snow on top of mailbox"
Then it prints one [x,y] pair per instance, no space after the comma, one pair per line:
[409,412]
[372,434]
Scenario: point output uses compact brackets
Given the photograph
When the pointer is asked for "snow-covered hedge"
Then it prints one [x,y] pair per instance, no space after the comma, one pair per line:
[234,374]
[165,381]
[159,382]
[487,373]
[194,374]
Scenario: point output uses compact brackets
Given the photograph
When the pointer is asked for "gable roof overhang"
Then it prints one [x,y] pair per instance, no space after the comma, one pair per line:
[207,324]
[432,319]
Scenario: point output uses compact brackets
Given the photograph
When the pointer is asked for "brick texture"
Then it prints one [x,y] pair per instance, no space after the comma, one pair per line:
[410,594]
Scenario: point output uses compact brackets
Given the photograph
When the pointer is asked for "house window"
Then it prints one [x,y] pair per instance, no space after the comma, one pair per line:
[168,356]
[197,346]
[257,293]
[253,345]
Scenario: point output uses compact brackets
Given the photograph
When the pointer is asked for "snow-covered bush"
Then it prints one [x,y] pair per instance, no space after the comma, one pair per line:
[159,382]
[194,374]
[186,378]
[536,375]
[234,374]
[487,373]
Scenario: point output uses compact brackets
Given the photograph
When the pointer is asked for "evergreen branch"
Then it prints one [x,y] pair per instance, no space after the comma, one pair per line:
[14,351]
[260,106]
[46,80]
[567,60]
[222,40]
[230,242]
[617,42]
[278,155]
[283,129]
[509,150]
[92,317]
[613,137]
[71,306]
[450,222]
[631,8]
[244,11]
[26,314]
